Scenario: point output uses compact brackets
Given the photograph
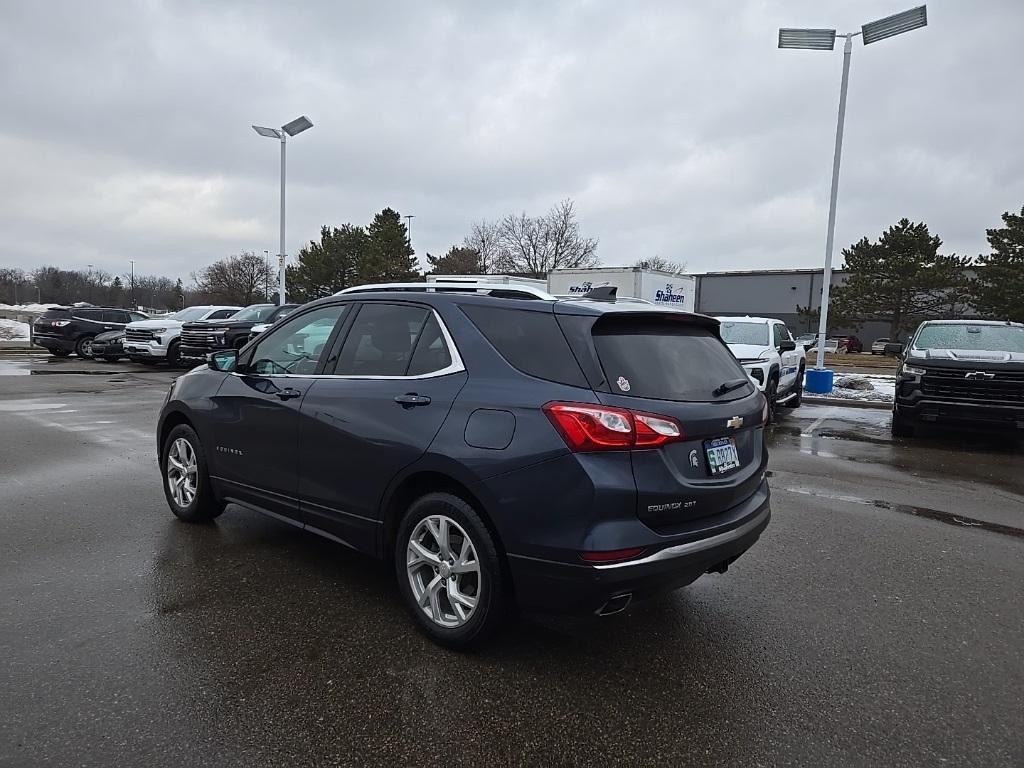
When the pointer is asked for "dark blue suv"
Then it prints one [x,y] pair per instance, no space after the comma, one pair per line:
[499,445]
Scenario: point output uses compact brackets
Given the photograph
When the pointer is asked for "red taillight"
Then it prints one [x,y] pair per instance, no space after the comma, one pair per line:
[587,428]
[611,555]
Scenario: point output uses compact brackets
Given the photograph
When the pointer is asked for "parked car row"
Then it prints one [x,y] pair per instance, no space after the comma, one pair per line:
[187,336]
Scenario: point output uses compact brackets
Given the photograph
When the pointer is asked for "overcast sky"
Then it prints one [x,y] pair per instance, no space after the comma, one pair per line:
[679,129]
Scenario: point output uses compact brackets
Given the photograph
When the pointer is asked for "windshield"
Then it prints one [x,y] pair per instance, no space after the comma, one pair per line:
[990,338]
[256,313]
[190,314]
[745,333]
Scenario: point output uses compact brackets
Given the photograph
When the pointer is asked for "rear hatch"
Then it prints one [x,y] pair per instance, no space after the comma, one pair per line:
[675,365]
[52,322]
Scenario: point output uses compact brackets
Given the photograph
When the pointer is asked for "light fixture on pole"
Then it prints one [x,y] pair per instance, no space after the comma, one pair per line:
[825,40]
[295,127]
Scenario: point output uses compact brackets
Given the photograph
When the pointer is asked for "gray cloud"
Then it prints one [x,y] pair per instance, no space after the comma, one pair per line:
[681,130]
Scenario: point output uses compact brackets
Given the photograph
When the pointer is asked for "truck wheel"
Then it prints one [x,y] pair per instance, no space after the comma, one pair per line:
[798,390]
[901,427]
[173,357]
[84,347]
[771,393]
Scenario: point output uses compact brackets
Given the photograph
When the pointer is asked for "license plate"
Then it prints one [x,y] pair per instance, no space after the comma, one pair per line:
[722,455]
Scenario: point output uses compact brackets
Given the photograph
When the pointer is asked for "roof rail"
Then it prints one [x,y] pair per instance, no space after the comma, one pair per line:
[504,290]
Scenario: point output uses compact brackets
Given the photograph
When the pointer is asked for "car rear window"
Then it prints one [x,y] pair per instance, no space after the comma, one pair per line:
[55,314]
[529,341]
[666,360]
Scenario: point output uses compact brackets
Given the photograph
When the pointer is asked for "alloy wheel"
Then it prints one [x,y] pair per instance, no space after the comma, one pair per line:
[182,472]
[444,571]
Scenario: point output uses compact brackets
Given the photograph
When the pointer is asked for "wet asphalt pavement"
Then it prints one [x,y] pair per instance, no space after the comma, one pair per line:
[879,620]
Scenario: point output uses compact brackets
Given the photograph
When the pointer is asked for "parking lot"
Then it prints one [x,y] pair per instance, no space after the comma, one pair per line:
[878,620]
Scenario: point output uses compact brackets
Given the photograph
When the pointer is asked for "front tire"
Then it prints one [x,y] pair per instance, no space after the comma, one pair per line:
[771,393]
[173,357]
[186,479]
[84,348]
[901,427]
[798,390]
[449,571]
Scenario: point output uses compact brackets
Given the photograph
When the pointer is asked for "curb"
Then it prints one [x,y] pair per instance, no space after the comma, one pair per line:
[876,404]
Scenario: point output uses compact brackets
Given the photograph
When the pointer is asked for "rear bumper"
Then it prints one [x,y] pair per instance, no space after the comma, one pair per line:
[974,416]
[52,342]
[570,588]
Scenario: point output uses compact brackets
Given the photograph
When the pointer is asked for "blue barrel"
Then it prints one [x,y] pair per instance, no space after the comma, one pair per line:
[818,381]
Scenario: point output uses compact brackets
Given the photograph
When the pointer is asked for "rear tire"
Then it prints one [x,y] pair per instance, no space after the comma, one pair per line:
[460,590]
[186,479]
[84,348]
[901,427]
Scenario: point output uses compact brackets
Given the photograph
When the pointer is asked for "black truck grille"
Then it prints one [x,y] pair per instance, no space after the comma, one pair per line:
[1003,386]
[197,339]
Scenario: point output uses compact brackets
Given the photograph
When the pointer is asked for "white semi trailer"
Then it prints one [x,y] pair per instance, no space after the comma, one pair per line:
[660,288]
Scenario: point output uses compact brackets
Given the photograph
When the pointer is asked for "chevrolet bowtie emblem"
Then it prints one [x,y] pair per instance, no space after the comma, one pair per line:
[735,422]
[979,375]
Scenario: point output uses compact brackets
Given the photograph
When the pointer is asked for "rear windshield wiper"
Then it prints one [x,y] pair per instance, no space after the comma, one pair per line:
[728,386]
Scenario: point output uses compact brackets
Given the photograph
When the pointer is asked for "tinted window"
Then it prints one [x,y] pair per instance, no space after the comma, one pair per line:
[990,338]
[55,314]
[138,316]
[257,313]
[381,340]
[283,311]
[93,315]
[744,333]
[431,353]
[222,314]
[115,316]
[532,342]
[666,360]
[296,347]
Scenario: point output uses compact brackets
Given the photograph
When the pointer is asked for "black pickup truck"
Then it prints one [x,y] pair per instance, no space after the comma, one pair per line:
[965,373]
[202,337]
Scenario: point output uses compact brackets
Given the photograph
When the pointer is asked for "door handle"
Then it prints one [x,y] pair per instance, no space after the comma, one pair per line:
[288,393]
[411,400]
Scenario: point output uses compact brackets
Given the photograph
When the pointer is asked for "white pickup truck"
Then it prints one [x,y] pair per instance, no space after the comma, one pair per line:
[150,341]
[773,360]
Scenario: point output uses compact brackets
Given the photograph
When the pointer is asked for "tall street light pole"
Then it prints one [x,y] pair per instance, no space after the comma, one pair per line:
[266,281]
[134,305]
[408,231]
[825,40]
[295,127]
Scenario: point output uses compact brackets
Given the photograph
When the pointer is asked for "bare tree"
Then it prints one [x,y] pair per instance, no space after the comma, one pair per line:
[661,264]
[533,245]
[483,239]
[234,279]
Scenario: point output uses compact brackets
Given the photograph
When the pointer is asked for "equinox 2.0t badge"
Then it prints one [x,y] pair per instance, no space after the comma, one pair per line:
[735,422]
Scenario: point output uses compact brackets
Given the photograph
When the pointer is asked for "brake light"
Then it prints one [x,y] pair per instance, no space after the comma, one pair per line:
[611,555]
[586,428]
[59,323]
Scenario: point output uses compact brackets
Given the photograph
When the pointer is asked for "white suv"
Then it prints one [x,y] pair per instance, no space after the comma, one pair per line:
[150,341]
[773,360]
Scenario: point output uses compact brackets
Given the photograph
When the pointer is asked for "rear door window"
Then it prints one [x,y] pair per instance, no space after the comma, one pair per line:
[91,315]
[667,360]
[530,341]
[381,340]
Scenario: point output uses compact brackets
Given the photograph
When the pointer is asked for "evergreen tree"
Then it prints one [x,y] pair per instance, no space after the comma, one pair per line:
[458,261]
[389,252]
[998,291]
[900,279]
[326,267]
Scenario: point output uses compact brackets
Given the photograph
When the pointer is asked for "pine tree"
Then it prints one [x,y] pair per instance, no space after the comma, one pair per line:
[389,252]
[998,291]
[328,266]
[458,261]
[900,279]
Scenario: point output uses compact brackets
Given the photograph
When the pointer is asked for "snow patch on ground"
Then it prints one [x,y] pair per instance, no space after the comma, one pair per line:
[12,330]
[883,389]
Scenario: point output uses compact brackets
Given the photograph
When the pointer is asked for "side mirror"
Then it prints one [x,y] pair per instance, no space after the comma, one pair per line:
[893,350]
[224,361]
[787,345]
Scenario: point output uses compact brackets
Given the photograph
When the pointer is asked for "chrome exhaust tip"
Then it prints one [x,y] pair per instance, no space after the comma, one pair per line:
[617,604]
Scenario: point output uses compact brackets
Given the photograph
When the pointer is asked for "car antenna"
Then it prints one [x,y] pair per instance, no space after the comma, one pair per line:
[602,293]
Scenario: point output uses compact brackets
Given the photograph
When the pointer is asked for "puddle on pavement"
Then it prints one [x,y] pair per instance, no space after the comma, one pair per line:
[959,521]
